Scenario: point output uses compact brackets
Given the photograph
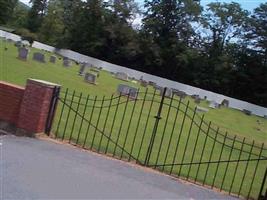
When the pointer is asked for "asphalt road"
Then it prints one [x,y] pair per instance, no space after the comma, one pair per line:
[38,169]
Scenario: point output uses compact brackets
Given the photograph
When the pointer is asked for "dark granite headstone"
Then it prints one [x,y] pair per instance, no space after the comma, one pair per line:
[23,53]
[18,44]
[225,103]
[66,62]
[39,57]
[53,59]
[247,112]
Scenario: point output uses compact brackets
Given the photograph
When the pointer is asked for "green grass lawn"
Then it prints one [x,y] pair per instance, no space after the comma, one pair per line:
[130,123]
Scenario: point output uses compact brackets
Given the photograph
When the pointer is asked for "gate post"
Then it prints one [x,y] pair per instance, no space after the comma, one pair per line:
[52,109]
[152,139]
[263,196]
[36,107]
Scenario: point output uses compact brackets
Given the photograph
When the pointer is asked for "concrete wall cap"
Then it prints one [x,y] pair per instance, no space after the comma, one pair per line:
[43,83]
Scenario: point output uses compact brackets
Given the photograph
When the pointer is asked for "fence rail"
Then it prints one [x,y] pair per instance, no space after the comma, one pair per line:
[164,133]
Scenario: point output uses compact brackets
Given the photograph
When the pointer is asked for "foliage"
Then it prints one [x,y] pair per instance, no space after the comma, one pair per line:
[36,14]
[27,35]
[222,48]
[6,8]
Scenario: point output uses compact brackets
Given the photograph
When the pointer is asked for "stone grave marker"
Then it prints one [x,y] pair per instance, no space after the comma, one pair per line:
[18,44]
[39,57]
[247,112]
[143,83]
[168,92]
[53,59]
[93,69]
[214,104]
[151,83]
[225,103]
[90,78]
[23,53]
[179,93]
[197,100]
[122,76]
[82,69]
[201,109]
[127,90]
[66,62]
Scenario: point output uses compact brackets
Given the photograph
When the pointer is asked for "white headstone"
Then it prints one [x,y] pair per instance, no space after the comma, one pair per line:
[168,92]
[122,76]
[214,104]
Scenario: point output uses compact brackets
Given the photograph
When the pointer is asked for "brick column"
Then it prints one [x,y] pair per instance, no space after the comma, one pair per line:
[35,106]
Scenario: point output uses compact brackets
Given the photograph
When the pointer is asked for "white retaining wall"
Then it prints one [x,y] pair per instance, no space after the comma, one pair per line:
[233,103]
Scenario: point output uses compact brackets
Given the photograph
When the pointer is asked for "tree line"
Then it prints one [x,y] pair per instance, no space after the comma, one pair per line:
[221,48]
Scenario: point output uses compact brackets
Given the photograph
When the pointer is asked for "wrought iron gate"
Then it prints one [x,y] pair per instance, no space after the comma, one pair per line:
[164,133]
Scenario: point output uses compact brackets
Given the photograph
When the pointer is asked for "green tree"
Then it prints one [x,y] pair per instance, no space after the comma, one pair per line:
[6,10]
[167,24]
[36,14]
[257,31]
[53,24]
[19,16]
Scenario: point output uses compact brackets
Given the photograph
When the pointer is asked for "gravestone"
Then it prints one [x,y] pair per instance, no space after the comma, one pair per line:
[18,44]
[179,93]
[225,103]
[39,57]
[90,78]
[122,76]
[23,53]
[197,100]
[159,88]
[265,116]
[66,62]
[127,90]
[82,69]
[214,104]
[168,92]
[143,83]
[201,109]
[247,112]
[53,59]
[151,83]
[93,69]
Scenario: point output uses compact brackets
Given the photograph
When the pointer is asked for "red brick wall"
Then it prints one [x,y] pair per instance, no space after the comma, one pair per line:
[35,107]
[10,100]
[27,108]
